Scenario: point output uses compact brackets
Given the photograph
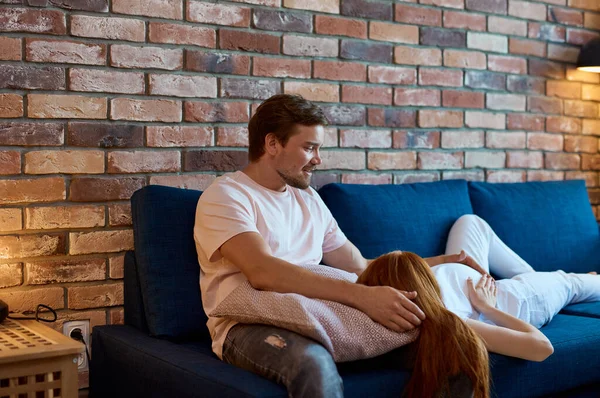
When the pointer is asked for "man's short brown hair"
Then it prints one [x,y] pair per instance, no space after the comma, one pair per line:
[278,115]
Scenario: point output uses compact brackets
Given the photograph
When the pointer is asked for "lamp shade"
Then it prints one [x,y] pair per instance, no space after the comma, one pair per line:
[589,57]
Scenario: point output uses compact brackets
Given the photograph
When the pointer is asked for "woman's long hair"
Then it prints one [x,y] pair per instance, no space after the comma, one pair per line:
[446,346]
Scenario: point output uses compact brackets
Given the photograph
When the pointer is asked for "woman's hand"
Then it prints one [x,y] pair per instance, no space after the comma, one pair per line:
[483,294]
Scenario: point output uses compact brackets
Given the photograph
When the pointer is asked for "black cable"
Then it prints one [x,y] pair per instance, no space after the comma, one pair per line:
[37,314]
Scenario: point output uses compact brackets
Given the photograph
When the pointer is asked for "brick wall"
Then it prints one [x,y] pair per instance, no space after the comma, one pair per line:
[99,98]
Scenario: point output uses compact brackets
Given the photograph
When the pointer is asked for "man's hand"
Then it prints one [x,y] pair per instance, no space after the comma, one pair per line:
[392,308]
[463,258]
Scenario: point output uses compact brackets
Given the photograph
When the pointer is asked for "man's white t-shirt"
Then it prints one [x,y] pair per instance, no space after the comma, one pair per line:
[295,224]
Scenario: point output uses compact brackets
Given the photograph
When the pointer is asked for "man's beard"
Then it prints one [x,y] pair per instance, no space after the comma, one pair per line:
[295,182]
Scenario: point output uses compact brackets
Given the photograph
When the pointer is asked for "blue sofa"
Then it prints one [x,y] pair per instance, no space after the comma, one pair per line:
[163,350]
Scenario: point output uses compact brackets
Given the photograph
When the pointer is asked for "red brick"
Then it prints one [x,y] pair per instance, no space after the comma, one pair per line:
[333,70]
[562,161]
[32,134]
[580,37]
[249,89]
[562,89]
[547,32]
[565,16]
[108,241]
[418,15]
[10,220]
[558,124]
[581,76]
[234,112]
[343,160]
[517,121]
[527,47]
[64,162]
[547,105]
[545,141]
[563,53]
[185,181]
[462,99]
[321,92]
[32,245]
[505,140]
[527,10]
[122,56]
[10,49]
[119,215]
[107,81]
[591,20]
[310,46]
[28,300]
[331,6]
[145,110]
[367,95]
[366,9]
[232,136]
[392,117]
[108,28]
[464,20]
[100,189]
[282,21]
[219,14]
[504,176]
[581,144]
[590,92]
[64,217]
[460,4]
[66,107]
[366,138]
[11,275]
[591,126]
[507,26]
[32,21]
[392,160]
[587,109]
[392,75]
[18,76]
[116,316]
[416,97]
[105,295]
[61,271]
[418,176]
[431,118]
[509,102]
[143,161]
[433,36]
[591,5]
[363,178]
[463,139]
[217,62]
[440,77]
[524,160]
[116,267]
[417,56]
[416,139]
[326,25]
[440,160]
[168,9]
[485,159]
[61,51]
[590,177]
[590,162]
[11,105]
[281,67]
[469,175]
[485,120]
[179,136]
[552,70]
[487,42]
[248,41]
[507,64]
[183,86]
[181,34]
[395,33]
[464,59]
[10,162]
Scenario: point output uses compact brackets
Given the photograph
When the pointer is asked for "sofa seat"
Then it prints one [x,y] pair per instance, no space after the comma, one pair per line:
[583,309]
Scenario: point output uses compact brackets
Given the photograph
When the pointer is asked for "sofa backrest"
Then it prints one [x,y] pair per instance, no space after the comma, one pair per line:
[410,217]
[549,224]
[167,262]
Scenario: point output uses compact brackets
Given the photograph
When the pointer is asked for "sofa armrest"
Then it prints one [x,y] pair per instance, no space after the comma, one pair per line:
[134,306]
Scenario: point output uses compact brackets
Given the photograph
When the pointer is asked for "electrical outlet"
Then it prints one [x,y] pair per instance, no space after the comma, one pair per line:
[84,327]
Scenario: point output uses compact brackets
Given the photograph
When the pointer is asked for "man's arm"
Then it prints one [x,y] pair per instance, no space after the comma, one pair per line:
[249,252]
[461,258]
[348,258]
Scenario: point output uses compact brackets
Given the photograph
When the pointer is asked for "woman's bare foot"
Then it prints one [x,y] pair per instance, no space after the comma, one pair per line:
[593,273]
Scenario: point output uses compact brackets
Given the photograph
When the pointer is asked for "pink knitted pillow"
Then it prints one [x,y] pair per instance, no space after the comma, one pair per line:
[347,333]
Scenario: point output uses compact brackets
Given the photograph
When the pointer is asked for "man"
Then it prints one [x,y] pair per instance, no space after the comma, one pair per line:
[259,224]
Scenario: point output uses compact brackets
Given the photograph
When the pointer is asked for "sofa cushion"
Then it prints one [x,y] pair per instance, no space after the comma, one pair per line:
[412,217]
[549,224]
[583,309]
[168,270]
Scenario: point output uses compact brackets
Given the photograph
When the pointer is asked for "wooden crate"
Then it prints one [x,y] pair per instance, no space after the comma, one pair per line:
[37,361]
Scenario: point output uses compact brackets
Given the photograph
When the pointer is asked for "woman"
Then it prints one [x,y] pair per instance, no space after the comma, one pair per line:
[468,312]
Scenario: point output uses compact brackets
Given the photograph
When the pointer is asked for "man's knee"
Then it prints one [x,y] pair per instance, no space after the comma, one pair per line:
[317,372]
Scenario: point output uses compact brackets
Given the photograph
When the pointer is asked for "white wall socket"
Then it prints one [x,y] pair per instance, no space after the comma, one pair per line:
[84,326]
